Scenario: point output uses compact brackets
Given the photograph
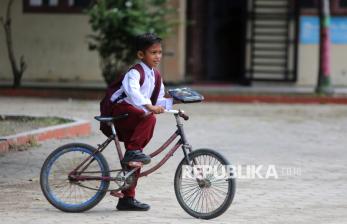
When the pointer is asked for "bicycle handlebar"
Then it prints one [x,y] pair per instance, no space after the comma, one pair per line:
[172,111]
[179,112]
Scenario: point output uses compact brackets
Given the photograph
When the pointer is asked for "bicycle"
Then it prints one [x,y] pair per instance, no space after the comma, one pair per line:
[75,177]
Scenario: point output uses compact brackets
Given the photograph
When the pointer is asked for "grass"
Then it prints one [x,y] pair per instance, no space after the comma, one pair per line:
[10,125]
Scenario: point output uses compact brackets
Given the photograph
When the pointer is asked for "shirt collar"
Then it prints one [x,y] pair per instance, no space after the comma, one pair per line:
[146,68]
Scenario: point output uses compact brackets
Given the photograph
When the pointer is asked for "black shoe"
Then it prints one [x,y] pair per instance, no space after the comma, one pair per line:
[135,156]
[131,204]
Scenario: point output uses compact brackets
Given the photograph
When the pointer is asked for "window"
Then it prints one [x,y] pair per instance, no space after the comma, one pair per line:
[339,7]
[308,4]
[55,6]
[310,7]
[343,3]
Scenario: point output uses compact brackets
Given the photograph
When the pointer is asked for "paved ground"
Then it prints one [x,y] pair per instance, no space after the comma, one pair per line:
[308,140]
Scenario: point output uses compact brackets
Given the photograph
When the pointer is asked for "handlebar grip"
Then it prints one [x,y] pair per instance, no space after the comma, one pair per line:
[184,116]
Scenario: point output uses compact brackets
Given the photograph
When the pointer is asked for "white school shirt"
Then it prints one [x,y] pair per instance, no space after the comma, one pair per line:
[138,95]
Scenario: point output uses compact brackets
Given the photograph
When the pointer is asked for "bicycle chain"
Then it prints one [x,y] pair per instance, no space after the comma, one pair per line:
[96,189]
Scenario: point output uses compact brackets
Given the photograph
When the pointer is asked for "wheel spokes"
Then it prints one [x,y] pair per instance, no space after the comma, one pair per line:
[208,197]
[68,191]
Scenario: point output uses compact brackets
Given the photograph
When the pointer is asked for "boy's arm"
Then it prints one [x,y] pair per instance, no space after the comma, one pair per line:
[162,101]
[131,86]
[154,109]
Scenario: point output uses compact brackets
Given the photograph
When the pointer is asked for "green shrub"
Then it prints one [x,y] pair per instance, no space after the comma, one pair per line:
[116,23]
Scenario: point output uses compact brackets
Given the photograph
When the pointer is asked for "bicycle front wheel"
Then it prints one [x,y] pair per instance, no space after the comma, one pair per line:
[74,195]
[203,188]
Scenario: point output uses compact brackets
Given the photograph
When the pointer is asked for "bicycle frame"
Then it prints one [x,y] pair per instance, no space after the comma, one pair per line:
[182,142]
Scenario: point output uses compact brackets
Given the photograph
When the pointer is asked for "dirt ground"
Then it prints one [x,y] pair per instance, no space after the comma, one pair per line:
[306,144]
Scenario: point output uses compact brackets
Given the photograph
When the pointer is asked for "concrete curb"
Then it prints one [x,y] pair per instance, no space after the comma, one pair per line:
[276,99]
[76,128]
[210,96]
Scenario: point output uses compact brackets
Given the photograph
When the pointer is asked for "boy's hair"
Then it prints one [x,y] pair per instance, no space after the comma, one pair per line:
[144,41]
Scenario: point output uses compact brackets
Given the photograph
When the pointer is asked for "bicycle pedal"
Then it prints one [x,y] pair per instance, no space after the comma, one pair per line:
[117,194]
[135,164]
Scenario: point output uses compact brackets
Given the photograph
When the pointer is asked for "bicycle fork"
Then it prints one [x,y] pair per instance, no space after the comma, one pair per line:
[186,147]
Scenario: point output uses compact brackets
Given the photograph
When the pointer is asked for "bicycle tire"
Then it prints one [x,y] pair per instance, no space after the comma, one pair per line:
[181,195]
[47,178]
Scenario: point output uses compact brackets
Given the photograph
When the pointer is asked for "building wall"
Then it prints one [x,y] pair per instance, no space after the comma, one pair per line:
[174,59]
[55,47]
[339,65]
[308,65]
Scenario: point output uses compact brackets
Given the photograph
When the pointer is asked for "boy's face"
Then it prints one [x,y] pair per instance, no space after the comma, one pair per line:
[151,56]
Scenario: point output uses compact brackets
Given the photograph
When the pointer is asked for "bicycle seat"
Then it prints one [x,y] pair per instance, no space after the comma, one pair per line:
[109,119]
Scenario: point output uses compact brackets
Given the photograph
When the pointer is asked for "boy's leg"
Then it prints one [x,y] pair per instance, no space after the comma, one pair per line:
[135,131]
[130,192]
[141,136]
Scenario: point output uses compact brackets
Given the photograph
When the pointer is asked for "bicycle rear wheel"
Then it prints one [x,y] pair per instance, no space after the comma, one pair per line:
[201,191]
[71,195]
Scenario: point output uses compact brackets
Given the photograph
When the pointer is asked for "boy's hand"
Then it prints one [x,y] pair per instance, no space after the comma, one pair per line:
[155,109]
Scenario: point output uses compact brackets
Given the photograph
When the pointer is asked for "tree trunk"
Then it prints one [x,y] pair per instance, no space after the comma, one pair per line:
[324,83]
[17,72]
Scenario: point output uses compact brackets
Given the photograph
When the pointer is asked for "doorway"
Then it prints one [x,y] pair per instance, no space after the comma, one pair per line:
[216,40]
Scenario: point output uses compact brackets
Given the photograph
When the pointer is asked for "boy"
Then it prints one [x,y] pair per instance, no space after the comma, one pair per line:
[140,96]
